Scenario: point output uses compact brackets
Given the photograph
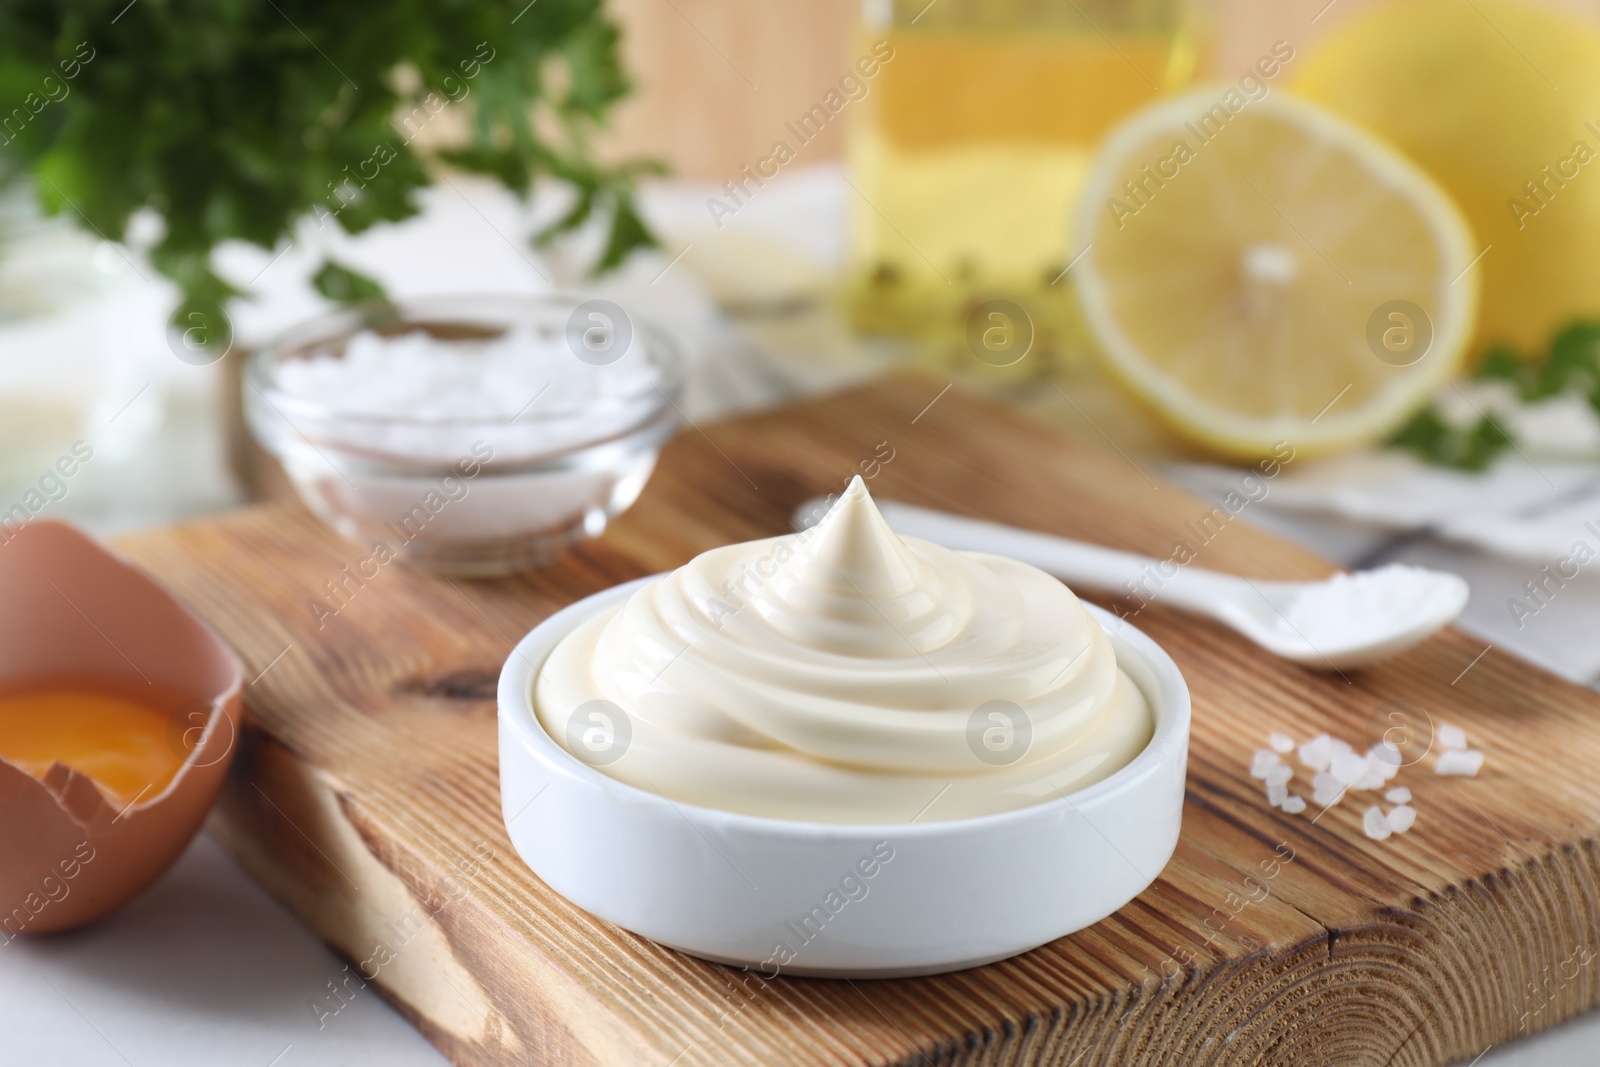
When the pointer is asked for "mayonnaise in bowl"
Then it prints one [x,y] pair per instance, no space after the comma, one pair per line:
[846,675]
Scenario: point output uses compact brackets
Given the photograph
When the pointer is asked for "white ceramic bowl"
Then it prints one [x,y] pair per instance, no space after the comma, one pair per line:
[806,898]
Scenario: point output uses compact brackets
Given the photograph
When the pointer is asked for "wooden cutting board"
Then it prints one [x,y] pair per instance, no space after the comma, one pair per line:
[365,797]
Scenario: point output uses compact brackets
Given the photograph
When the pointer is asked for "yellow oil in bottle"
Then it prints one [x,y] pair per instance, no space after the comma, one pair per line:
[970,152]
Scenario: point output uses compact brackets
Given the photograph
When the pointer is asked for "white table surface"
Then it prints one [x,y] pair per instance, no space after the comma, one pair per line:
[205,970]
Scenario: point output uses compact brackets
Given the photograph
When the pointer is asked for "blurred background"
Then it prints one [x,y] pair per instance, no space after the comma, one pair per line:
[1384,254]
[814,194]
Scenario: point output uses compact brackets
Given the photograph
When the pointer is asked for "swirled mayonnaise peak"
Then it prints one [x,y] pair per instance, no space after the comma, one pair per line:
[846,675]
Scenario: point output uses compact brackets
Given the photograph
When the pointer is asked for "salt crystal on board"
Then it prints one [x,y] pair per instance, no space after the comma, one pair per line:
[1279,775]
[1452,737]
[1294,805]
[1316,752]
[1398,795]
[1376,824]
[1277,793]
[1402,818]
[1387,755]
[1263,761]
[1280,743]
[1326,789]
[1347,767]
[1463,764]
[1373,776]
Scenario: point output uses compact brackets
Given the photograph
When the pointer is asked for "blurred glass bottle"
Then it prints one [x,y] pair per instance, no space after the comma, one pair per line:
[969,153]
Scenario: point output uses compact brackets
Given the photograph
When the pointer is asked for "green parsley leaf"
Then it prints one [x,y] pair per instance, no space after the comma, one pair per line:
[236,119]
[1570,364]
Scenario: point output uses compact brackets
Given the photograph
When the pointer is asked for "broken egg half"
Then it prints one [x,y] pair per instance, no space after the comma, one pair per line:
[119,712]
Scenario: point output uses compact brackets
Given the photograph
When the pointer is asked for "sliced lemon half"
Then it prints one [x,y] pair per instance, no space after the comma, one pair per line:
[1259,272]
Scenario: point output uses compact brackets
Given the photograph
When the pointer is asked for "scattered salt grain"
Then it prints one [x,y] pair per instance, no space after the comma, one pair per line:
[1316,752]
[1347,767]
[1387,754]
[1374,776]
[1337,769]
[1326,789]
[1465,764]
[1376,824]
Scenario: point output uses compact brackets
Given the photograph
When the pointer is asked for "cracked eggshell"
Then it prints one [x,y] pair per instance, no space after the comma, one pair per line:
[72,611]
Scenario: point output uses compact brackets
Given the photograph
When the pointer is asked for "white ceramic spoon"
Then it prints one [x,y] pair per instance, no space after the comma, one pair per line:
[1349,620]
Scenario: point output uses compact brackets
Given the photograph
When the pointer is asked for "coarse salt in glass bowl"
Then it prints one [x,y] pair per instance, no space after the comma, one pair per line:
[467,435]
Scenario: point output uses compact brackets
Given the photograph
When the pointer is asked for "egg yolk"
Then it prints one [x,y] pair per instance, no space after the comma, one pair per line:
[122,744]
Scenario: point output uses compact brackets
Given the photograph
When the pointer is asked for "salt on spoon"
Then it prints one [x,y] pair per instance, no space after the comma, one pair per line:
[1347,608]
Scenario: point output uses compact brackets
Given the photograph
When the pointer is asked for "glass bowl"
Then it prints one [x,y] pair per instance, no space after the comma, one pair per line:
[534,423]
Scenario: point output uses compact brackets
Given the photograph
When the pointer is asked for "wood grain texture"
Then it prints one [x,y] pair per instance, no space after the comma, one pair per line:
[365,797]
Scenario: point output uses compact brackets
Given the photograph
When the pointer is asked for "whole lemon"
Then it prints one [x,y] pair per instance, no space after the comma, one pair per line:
[1499,101]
